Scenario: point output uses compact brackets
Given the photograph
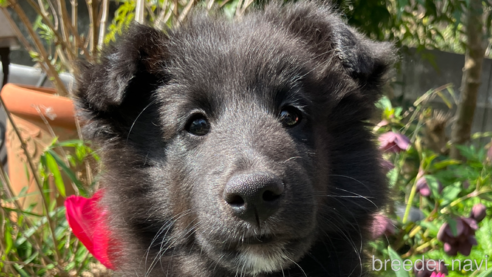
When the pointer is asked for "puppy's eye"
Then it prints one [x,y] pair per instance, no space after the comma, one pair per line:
[198,125]
[290,117]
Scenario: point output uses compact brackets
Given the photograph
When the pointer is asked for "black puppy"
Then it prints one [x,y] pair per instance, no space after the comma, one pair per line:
[239,148]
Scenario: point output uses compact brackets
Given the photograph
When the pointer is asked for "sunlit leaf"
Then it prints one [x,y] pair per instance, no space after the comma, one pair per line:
[69,173]
[53,167]
[8,238]
[449,194]
[444,164]
[395,257]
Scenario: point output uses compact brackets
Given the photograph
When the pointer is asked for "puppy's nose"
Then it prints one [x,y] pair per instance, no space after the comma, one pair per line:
[254,197]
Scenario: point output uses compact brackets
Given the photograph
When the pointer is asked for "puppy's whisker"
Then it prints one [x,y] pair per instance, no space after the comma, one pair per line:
[166,227]
[297,265]
[345,196]
[361,196]
[135,121]
[291,159]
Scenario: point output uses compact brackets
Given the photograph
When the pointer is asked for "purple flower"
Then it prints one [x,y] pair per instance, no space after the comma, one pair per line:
[463,240]
[424,189]
[466,184]
[478,212]
[429,268]
[393,142]
[386,165]
[381,225]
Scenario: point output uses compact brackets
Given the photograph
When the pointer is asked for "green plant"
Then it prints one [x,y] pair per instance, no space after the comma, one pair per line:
[36,244]
[433,194]
[164,13]
[56,41]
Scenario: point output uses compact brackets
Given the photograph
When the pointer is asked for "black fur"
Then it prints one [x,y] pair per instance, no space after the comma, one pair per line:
[164,185]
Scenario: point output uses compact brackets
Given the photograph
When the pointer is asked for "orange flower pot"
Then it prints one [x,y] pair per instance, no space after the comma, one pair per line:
[37,113]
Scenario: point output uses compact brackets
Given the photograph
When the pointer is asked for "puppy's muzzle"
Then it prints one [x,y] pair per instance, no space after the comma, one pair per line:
[254,197]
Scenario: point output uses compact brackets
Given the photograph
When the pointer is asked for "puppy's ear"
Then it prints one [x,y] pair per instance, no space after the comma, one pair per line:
[104,85]
[112,92]
[332,41]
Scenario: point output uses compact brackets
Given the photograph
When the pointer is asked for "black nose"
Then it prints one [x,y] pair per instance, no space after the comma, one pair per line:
[254,197]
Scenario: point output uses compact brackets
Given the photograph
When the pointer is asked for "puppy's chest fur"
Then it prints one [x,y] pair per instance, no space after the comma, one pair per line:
[239,148]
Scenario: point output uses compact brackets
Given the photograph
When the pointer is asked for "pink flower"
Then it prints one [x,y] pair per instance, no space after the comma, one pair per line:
[386,165]
[86,219]
[424,189]
[478,212]
[430,268]
[464,239]
[393,142]
[381,225]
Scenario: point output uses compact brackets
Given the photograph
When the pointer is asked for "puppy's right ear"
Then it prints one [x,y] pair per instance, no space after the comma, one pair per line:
[115,89]
[104,85]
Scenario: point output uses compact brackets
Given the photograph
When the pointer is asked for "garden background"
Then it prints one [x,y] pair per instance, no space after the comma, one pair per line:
[434,127]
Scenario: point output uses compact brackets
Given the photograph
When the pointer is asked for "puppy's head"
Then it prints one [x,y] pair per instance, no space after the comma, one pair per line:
[237,144]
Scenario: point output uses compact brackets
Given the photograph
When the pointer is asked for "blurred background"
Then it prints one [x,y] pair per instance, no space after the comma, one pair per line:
[433,125]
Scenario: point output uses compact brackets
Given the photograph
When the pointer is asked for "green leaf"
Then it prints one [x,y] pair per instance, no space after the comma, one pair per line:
[24,212]
[467,152]
[445,163]
[445,99]
[22,193]
[53,167]
[69,172]
[487,273]
[384,103]
[230,8]
[483,235]
[8,238]
[21,271]
[394,256]
[449,194]
[428,160]
[392,176]
[432,228]
[480,134]
[70,143]
[26,171]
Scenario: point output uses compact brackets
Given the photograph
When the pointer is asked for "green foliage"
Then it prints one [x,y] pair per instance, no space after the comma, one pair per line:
[455,187]
[394,256]
[161,13]
[422,23]
[41,243]
[123,16]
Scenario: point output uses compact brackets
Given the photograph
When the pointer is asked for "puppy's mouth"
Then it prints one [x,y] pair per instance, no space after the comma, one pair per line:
[257,240]
[257,254]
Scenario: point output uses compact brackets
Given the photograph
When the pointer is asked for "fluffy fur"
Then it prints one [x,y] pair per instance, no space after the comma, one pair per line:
[164,185]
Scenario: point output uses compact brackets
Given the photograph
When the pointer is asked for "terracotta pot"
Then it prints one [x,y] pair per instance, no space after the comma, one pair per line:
[28,105]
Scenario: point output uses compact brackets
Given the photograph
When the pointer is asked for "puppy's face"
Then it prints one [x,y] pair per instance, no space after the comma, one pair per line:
[237,145]
[244,157]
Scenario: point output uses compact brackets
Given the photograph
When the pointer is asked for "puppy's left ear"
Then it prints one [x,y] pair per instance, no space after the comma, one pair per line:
[333,43]
[366,61]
